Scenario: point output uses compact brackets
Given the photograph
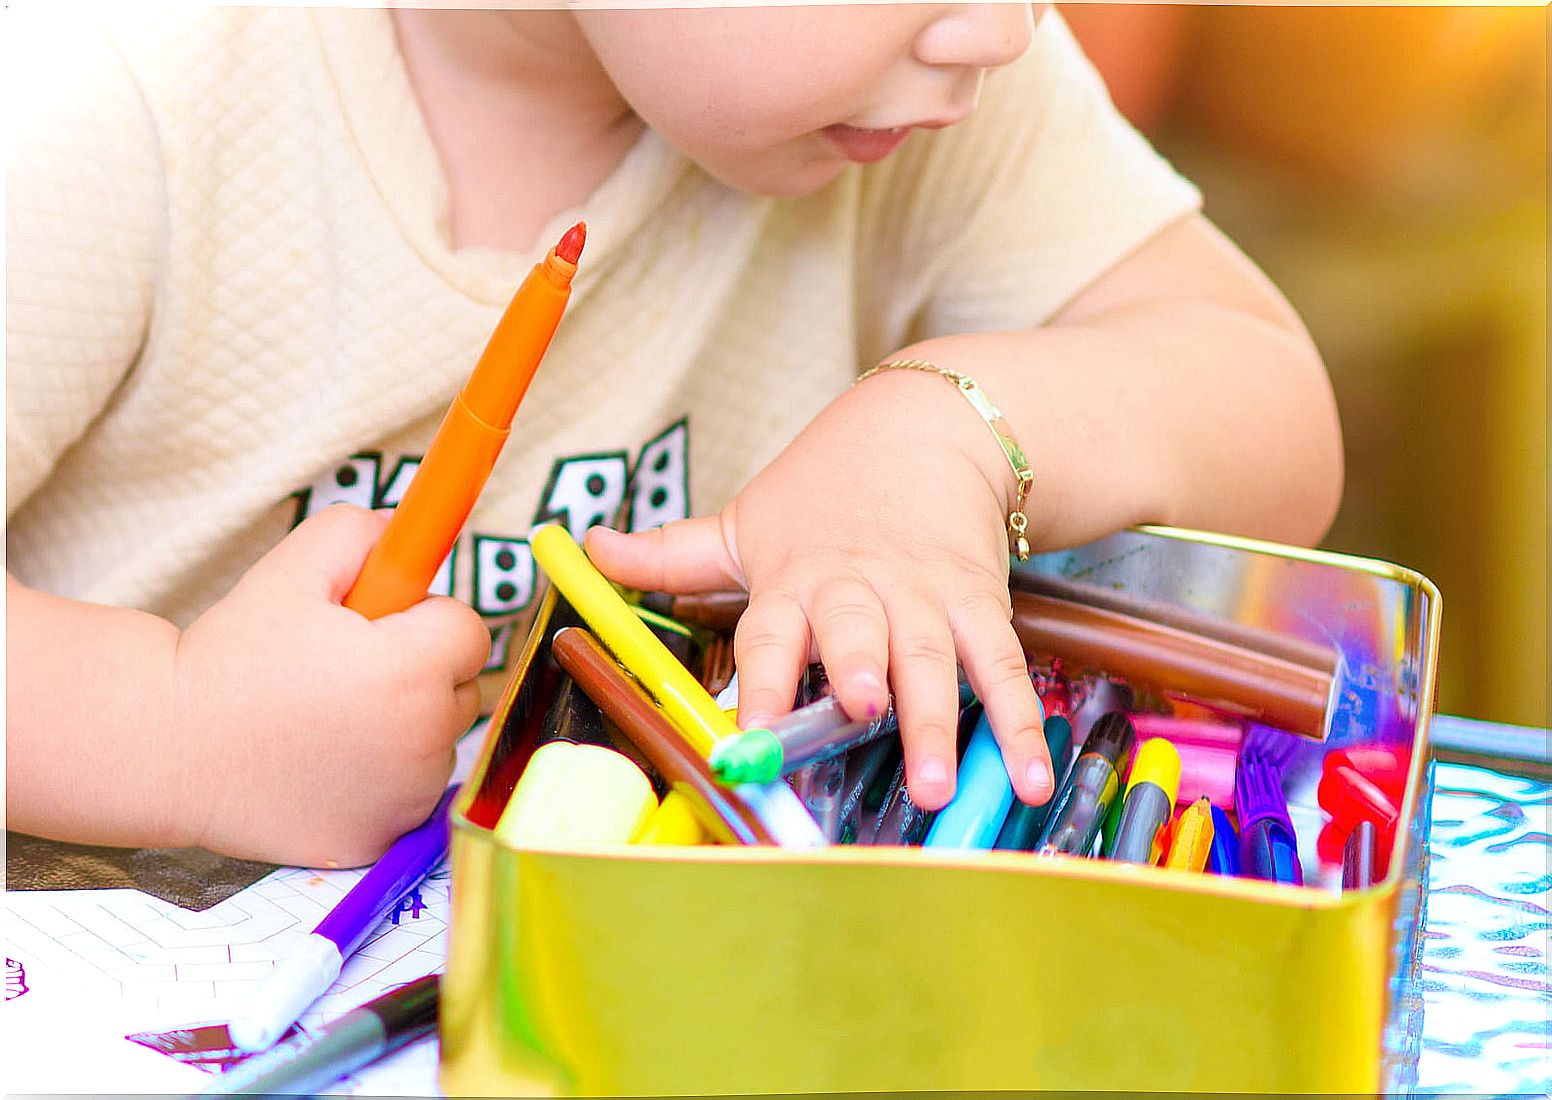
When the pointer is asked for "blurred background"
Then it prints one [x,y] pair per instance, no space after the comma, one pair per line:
[1387,168]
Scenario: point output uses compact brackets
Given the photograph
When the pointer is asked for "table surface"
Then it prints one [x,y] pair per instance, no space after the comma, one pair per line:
[82,980]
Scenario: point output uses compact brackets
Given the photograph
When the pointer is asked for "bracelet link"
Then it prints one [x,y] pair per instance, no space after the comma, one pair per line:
[1018,522]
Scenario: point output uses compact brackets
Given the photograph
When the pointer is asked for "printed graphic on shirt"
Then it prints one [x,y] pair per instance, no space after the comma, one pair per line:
[500,579]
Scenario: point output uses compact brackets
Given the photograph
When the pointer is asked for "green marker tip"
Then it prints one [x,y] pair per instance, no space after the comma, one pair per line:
[754,756]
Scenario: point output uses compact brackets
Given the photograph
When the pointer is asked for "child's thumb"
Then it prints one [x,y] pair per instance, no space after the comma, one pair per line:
[323,555]
[687,555]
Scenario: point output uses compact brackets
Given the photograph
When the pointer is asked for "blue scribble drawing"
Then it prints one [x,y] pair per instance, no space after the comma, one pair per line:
[410,905]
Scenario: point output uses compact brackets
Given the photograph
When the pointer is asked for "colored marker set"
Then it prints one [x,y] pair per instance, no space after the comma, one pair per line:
[628,722]
[1181,818]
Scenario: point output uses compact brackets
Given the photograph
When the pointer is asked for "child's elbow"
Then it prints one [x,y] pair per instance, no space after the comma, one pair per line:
[1322,471]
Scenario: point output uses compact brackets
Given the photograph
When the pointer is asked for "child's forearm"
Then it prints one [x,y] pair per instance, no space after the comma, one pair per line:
[90,755]
[1199,417]
[1207,409]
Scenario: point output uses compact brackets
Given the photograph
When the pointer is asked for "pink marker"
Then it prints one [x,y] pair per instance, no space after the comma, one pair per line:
[1190,731]
[1206,771]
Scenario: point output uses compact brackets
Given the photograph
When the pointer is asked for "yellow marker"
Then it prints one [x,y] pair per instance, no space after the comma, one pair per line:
[688,705]
[1150,802]
[577,794]
[1192,842]
[674,822]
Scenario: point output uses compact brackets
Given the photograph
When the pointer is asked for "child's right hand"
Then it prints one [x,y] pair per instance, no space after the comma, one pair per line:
[311,735]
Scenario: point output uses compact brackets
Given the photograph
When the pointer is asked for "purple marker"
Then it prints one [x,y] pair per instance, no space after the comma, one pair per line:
[302,978]
[1267,846]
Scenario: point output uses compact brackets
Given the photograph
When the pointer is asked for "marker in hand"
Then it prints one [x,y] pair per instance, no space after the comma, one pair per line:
[442,493]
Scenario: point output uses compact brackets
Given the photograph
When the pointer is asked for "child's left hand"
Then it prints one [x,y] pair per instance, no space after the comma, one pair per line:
[877,542]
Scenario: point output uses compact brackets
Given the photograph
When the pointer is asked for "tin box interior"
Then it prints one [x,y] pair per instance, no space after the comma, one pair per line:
[852,969]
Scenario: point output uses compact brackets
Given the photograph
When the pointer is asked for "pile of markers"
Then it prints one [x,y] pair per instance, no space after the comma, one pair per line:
[633,748]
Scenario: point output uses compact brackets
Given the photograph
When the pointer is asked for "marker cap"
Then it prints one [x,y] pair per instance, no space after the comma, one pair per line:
[1223,859]
[754,756]
[1111,737]
[1349,798]
[1258,794]
[576,794]
[1157,762]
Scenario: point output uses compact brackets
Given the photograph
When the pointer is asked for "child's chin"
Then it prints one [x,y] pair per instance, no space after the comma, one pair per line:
[787,181]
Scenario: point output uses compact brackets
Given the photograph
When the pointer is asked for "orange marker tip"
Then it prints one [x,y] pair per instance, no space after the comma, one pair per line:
[570,246]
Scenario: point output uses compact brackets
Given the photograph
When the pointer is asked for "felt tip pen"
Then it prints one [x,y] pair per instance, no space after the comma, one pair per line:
[1021,829]
[571,795]
[1089,788]
[688,705]
[1350,797]
[980,805]
[863,769]
[1149,804]
[307,1064]
[425,525]
[819,785]
[312,966]
[881,798]
[1268,848]
[905,823]
[1358,856]
[673,823]
[638,719]
[1223,858]
[811,733]
[1191,842]
[982,799]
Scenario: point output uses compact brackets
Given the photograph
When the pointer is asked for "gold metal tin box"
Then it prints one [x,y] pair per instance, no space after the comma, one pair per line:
[852,969]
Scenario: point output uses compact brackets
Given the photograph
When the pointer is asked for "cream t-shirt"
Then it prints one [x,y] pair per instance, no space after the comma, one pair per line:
[231,300]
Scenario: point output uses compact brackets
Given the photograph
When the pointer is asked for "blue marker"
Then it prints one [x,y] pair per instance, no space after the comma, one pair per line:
[981,803]
[1223,859]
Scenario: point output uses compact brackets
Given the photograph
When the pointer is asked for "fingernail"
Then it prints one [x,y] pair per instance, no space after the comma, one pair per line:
[1038,775]
[933,771]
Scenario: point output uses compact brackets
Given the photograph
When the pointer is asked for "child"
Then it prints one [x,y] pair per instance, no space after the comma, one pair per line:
[253,253]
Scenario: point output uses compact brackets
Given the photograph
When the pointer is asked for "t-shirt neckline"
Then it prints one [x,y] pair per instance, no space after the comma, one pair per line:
[384,118]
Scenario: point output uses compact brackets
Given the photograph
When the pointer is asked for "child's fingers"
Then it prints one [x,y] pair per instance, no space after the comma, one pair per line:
[852,635]
[459,640]
[995,664]
[323,555]
[770,648]
[466,705]
[925,681]
[686,555]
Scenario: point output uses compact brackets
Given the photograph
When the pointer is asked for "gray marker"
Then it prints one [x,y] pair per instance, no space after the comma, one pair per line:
[1079,807]
[308,1063]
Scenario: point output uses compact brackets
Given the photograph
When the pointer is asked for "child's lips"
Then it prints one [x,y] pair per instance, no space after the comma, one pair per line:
[864,146]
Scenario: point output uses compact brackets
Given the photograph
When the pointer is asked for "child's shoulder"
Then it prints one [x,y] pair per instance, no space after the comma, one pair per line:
[175,59]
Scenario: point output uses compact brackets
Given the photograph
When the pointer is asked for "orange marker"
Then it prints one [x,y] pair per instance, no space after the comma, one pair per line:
[442,493]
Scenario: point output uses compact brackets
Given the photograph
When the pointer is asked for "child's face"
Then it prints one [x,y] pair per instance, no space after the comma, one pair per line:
[776,101]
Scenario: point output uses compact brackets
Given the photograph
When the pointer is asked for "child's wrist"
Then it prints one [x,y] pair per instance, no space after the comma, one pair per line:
[976,432]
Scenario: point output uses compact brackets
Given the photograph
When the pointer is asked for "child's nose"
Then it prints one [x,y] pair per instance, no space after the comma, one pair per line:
[983,36]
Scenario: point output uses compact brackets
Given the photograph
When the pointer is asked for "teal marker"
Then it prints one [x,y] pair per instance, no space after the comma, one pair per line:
[1022,828]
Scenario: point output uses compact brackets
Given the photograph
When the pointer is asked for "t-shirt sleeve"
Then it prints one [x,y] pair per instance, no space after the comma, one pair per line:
[85,218]
[998,222]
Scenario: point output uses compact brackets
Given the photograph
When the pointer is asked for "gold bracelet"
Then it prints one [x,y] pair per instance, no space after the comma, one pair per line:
[1018,523]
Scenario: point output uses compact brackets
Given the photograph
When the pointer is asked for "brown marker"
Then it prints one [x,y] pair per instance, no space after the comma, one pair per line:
[628,706]
[1285,694]
[1270,690]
